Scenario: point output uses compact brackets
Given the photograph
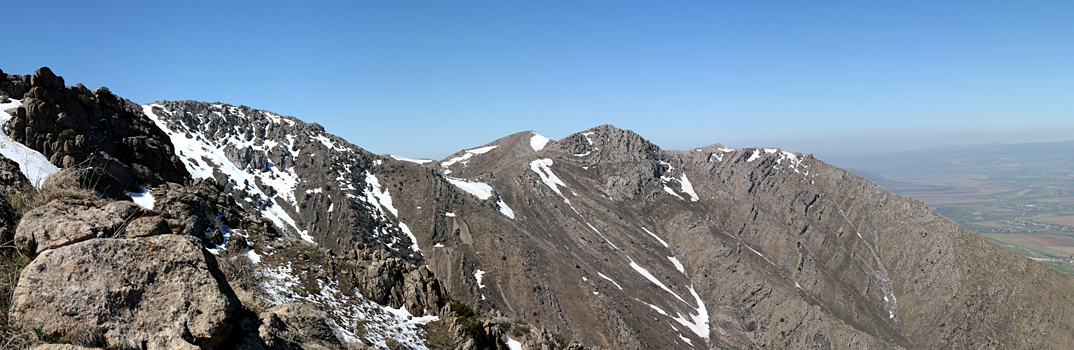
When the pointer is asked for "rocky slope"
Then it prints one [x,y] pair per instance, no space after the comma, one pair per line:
[197,261]
[714,247]
[601,239]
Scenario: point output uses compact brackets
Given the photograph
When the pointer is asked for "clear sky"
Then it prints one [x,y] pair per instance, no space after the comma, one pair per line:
[426,79]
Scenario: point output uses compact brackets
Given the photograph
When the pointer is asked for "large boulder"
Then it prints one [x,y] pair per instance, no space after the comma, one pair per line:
[66,221]
[159,292]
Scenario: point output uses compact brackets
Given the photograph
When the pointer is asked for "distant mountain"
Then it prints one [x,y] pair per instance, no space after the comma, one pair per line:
[598,240]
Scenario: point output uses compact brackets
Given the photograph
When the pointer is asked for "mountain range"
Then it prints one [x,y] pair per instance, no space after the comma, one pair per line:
[280,235]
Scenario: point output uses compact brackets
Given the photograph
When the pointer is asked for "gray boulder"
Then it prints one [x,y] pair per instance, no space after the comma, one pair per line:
[66,221]
[160,292]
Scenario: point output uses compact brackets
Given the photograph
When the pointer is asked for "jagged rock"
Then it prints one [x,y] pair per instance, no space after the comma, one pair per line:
[12,179]
[73,126]
[392,281]
[201,207]
[44,77]
[93,179]
[297,326]
[66,221]
[159,292]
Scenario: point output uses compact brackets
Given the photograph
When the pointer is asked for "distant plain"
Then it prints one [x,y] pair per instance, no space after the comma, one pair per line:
[1020,196]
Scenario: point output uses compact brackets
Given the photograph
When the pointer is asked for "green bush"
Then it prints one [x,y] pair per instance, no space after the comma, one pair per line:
[65,135]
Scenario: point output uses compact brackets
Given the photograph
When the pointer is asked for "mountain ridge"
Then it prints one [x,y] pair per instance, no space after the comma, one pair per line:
[600,238]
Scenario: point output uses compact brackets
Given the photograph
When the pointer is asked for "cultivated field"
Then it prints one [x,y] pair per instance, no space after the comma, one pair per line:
[1018,196]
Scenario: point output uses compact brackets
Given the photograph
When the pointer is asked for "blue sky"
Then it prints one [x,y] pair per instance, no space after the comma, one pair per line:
[426,79]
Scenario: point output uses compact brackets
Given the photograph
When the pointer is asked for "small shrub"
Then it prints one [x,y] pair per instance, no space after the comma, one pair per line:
[65,135]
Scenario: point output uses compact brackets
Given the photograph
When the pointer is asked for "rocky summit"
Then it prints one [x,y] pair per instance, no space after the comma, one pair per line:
[194,225]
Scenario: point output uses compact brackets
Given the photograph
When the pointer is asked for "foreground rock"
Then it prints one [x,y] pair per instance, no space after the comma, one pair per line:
[68,221]
[160,292]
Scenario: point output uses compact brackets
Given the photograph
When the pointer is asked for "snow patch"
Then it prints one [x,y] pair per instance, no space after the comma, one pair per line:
[463,159]
[504,208]
[32,163]
[513,344]
[655,236]
[480,190]
[203,159]
[678,265]
[698,323]
[688,188]
[645,273]
[374,195]
[609,280]
[412,160]
[756,154]
[672,192]
[543,168]
[144,199]
[352,317]
[478,275]
[538,142]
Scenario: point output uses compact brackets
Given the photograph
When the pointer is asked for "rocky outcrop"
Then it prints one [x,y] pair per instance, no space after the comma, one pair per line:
[392,281]
[297,327]
[73,126]
[68,221]
[159,292]
[201,208]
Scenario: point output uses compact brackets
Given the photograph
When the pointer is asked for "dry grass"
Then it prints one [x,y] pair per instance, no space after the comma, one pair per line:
[12,261]
[25,201]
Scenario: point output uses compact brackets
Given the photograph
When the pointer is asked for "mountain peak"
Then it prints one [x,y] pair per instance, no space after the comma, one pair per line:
[608,141]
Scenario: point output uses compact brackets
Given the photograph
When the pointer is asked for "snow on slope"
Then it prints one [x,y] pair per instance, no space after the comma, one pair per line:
[32,163]
[202,159]
[543,169]
[382,199]
[538,142]
[507,211]
[143,198]
[412,160]
[478,189]
[353,317]
[463,159]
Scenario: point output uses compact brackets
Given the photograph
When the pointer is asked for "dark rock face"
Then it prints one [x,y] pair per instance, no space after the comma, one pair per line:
[11,178]
[73,126]
[160,292]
